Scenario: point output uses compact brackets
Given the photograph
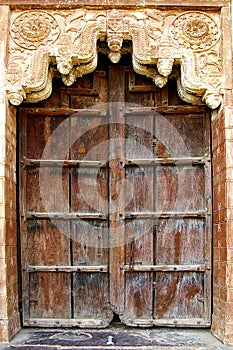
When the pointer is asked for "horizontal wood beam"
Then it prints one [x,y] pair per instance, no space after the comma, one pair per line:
[80,91]
[59,322]
[165,110]
[103,216]
[165,268]
[182,322]
[61,163]
[165,215]
[100,164]
[167,161]
[78,268]
[57,112]
[129,110]
[63,216]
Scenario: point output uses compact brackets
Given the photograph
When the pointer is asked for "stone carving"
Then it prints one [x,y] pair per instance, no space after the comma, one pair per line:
[45,92]
[184,45]
[115,34]
[33,29]
[14,77]
[195,30]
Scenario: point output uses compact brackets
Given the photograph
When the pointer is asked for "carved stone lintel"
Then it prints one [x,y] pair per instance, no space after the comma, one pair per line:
[164,43]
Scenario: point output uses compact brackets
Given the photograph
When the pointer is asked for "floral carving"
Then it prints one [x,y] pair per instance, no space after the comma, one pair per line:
[33,29]
[195,30]
[186,48]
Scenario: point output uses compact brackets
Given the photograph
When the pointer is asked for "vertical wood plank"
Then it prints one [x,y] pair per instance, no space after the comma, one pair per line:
[48,242]
[39,130]
[90,242]
[179,295]
[180,241]
[138,304]
[139,137]
[179,135]
[180,188]
[91,299]
[116,195]
[53,184]
[139,197]
[50,295]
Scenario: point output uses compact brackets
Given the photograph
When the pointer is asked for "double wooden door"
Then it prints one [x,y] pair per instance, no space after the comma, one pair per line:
[115,205]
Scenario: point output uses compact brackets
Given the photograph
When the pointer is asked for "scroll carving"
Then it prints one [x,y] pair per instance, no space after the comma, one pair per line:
[184,45]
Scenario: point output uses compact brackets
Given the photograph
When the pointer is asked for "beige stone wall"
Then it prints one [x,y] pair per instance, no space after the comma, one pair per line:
[9,315]
[222,144]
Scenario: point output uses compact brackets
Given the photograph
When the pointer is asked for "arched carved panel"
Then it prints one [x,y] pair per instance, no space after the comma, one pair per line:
[64,42]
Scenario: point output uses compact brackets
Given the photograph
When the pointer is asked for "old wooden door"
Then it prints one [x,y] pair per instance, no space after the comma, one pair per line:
[115,205]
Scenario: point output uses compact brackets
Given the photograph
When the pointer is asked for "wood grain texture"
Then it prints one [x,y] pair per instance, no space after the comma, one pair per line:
[134,232]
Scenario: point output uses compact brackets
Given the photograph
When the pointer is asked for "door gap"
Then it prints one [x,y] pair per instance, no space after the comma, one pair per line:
[116,319]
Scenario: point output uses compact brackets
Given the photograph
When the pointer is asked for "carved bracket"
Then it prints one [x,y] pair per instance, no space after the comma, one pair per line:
[184,45]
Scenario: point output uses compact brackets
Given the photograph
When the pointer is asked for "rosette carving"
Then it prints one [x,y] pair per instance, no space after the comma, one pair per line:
[195,30]
[33,29]
[184,45]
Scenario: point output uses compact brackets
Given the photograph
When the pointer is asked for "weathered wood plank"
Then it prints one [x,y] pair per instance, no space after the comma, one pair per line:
[39,130]
[197,322]
[116,189]
[208,224]
[166,161]
[89,190]
[139,298]
[180,188]
[68,269]
[91,297]
[48,242]
[168,214]
[89,138]
[90,242]
[91,163]
[47,181]
[58,112]
[49,295]
[89,195]
[67,322]
[61,163]
[63,216]
[139,136]
[139,236]
[164,110]
[80,91]
[93,323]
[165,268]
[180,241]
[139,197]
[179,295]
